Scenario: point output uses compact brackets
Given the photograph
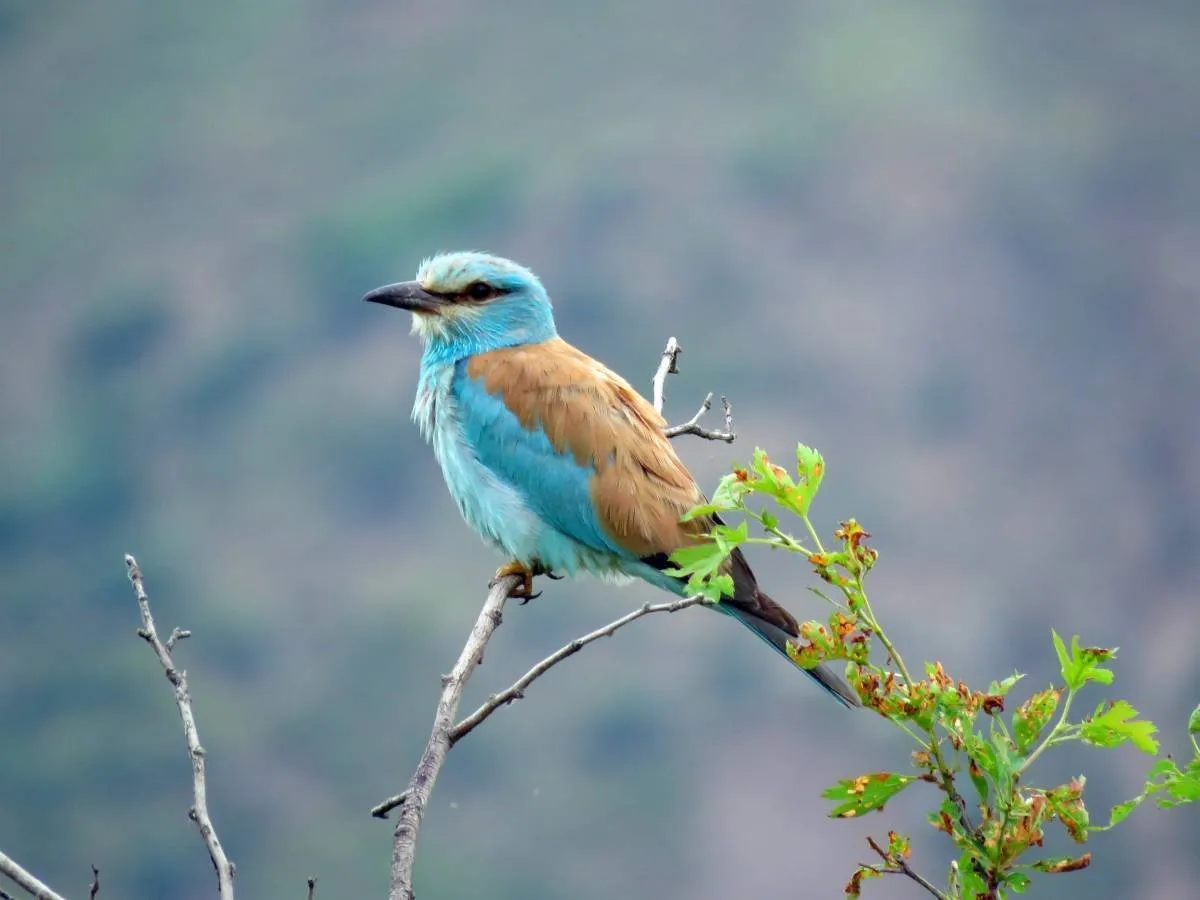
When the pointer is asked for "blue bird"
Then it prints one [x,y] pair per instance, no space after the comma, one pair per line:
[551,457]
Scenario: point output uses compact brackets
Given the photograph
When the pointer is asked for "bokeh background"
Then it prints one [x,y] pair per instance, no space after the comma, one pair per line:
[954,246]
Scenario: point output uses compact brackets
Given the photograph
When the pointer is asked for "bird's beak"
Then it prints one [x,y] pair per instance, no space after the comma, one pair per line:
[406,295]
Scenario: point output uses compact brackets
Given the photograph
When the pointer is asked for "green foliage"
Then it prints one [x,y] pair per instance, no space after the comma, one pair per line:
[956,729]
[865,793]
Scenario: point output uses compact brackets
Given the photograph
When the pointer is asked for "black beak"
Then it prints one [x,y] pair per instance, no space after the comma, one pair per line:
[406,295]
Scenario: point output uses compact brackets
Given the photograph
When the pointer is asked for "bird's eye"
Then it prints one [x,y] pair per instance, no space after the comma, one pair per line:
[479,290]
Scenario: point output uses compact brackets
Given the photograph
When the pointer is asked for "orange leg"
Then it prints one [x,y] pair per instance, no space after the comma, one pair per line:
[523,591]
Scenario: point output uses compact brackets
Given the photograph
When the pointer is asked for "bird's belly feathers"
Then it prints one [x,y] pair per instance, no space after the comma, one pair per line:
[492,506]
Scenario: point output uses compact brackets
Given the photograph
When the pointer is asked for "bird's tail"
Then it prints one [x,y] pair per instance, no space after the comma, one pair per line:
[775,625]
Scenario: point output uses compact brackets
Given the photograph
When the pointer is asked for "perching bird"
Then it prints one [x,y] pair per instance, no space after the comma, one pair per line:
[550,456]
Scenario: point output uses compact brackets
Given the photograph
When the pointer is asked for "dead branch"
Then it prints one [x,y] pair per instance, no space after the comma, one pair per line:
[9,867]
[517,691]
[894,864]
[669,365]
[404,845]
[178,678]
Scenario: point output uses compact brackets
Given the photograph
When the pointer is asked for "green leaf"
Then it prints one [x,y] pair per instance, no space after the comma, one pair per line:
[700,565]
[718,587]
[865,793]
[1067,803]
[1003,687]
[1116,725]
[975,771]
[1007,761]
[1122,810]
[1082,664]
[730,491]
[774,479]
[979,750]
[970,882]
[700,559]
[702,511]
[1180,786]
[1194,721]
[1064,659]
[727,538]
[1032,716]
[1018,881]
[768,519]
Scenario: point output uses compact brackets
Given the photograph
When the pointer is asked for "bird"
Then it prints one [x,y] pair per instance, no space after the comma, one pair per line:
[553,458]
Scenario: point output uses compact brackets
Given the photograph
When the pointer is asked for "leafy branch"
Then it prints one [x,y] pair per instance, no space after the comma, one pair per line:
[957,730]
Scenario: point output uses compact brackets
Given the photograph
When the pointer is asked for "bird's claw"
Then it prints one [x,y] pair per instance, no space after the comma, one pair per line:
[523,591]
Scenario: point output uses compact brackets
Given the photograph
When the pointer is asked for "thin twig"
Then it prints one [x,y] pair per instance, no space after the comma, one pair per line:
[517,691]
[199,811]
[5,895]
[9,867]
[381,810]
[94,887]
[312,886]
[404,846]
[669,365]
[693,426]
[894,864]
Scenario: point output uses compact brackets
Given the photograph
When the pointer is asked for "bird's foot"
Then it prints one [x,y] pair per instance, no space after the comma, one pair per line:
[523,591]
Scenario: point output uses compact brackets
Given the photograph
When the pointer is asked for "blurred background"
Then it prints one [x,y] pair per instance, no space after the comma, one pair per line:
[955,247]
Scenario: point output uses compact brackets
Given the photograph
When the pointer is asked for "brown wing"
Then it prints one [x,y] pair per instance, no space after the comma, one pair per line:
[641,488]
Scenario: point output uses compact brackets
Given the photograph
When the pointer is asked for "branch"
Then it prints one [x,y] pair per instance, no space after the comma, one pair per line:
[692,425]
[380,810]
[10,868]
[199,811]
[897,865]
[94,887]
[517,691]
[669,365]
[421,785]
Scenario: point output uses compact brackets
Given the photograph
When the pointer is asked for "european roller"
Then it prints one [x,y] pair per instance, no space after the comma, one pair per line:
[553,458]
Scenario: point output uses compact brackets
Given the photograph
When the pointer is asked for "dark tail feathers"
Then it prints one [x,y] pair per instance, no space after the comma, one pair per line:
[775,625]
[778,638]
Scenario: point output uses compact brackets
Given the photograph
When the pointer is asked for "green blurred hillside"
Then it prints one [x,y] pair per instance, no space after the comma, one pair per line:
[954,247]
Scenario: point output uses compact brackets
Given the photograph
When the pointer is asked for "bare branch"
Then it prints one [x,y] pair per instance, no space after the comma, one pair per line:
[669,365]
[898,865]
[517,691]
[692,425]
[404,846]
[199,811]
[9,867]
[5,895]
[94,888]
[381,810]
[312,886]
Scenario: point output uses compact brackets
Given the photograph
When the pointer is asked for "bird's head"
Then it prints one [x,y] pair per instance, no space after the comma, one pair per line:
[467,303]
